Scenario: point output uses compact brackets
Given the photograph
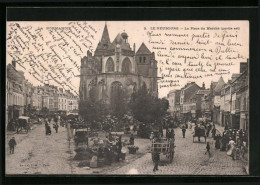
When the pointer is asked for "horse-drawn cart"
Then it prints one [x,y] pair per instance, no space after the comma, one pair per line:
[82,133]
[200,132]
[164,147]
[23,124]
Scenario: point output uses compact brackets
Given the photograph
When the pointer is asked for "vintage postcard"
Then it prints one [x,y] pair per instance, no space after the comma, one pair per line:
[127,97]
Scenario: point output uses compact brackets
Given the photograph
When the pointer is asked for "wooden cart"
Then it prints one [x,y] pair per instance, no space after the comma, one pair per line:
[200,132]
[164,147]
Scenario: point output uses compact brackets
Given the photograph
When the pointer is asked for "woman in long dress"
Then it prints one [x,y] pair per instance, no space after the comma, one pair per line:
[232,147]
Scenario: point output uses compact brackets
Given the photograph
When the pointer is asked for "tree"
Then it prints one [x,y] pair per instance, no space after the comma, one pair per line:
[92,111]
[147,109]
[118,104]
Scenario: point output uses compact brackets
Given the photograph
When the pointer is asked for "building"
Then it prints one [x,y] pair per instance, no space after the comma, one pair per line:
[14,92]
[203,104]
[62,100]
[114,68]
[171,99]
[234,98]
[177,108]
[243,93]
[72,101]
[215,92]
[240,100]
[187,100]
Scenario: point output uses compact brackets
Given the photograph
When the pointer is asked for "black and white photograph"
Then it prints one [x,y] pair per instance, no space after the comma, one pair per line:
[127,97]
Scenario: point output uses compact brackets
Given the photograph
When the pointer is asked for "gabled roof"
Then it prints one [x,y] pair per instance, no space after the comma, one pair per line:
[219,85]
[119,40]
[143,50]
[13,74]
[189,90]
[235,76]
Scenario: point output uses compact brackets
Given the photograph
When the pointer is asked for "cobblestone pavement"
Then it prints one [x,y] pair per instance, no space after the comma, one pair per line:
[189,159]
[37,153]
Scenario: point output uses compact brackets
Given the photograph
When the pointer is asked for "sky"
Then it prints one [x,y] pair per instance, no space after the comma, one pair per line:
[59,51]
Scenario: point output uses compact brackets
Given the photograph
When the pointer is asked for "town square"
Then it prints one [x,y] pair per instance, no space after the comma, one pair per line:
[95,98]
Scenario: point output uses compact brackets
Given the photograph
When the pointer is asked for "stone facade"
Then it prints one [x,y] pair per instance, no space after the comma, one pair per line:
[116,66]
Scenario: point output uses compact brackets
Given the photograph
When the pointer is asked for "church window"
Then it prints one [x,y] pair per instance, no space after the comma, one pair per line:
[140,60]
[126,66]
[144,59]
[110,65]
[116,94]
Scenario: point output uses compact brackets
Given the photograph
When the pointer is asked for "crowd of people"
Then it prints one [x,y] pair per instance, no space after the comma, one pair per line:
[110,149]
[233,141]
[55,122]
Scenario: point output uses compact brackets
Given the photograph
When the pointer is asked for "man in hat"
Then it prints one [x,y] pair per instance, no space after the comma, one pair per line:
[12,144]
[183,131]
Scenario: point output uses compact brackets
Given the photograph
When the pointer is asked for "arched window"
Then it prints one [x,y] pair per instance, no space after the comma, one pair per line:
[116,93]
[110,65]
[140,60]
[116,88]
[144,59]
[126,66]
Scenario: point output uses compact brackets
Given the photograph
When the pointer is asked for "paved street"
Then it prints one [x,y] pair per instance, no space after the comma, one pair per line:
[37,153]
[189,159]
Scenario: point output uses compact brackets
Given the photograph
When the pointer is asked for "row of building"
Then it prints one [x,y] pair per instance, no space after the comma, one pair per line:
[224,103]
[21,94]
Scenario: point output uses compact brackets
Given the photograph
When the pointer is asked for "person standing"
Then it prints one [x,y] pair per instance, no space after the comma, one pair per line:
[119,148]
[132,140]
[12,144]
[183,131]
[208,149]
[56,126]
[213,132]
[171,134]
[46,127]
[156,161]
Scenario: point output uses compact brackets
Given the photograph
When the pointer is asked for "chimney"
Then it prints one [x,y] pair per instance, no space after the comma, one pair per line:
[134,47]
[203,86]
[243,66]
[14,64]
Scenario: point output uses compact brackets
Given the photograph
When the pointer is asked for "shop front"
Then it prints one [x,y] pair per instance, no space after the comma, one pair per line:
[244,121]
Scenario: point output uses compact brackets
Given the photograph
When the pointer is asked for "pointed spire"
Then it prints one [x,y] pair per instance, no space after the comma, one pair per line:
[105,36]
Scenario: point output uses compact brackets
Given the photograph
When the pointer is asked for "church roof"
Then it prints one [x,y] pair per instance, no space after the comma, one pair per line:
[105,40]
[119,40]
[143,49]
[105,36]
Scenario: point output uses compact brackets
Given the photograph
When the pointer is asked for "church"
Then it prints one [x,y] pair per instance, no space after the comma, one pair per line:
[117,68]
